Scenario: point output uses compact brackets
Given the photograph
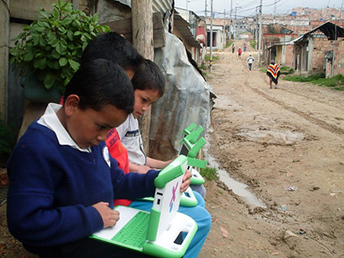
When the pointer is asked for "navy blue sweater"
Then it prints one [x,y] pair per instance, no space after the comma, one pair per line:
[53,187]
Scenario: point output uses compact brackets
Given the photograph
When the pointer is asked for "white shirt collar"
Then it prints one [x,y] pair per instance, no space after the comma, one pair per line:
[50,120]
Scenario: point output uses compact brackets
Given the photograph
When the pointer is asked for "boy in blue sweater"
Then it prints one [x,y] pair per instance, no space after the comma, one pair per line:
[62,178]
[149,85]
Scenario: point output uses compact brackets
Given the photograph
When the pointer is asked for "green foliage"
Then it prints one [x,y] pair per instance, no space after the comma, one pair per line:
[229,43]
[203,66]
[298,78]
[336,82]
[253,43]
[52,45]
[207,58]
[7,138]
[209,173]
[286,70]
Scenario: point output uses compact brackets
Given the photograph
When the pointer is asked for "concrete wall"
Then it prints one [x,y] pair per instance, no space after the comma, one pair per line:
[339,57]
[318,48]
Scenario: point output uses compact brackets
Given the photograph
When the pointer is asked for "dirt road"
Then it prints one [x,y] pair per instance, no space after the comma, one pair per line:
[274,141]
[287,145]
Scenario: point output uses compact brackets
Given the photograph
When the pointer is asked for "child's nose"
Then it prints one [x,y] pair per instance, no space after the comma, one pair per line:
[145,107]
[101,137]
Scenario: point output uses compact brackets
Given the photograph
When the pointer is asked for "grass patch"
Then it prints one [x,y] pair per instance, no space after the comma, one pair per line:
[336,82]
[229,43]
[253,43]
[209,173]
[299,78]
[287,70]
[207,58]
[203,67]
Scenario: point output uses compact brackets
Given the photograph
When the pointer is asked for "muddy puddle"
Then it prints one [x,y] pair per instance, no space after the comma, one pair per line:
[238,188]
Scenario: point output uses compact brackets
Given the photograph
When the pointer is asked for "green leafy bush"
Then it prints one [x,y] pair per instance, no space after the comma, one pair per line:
[52,46]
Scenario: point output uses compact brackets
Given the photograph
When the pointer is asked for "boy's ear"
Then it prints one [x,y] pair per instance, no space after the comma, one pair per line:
[71,103]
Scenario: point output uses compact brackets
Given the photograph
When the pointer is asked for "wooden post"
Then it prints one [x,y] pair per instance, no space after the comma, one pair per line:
[4,55]
[142,22]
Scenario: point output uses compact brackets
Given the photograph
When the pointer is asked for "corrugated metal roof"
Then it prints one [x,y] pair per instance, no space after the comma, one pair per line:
[331,30]
[184,29]
[162,6]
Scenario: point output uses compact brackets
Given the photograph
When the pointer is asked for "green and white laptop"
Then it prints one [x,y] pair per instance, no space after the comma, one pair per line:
[190,146]
[155,233]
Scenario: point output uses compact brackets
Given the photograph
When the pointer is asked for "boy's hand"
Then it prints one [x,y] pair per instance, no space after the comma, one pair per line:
[109,216]
[186,181]
[142,169]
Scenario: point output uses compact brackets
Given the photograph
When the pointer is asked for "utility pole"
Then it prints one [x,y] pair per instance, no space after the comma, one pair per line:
[230,17]
[142,32]
[211,37]
[224,25]
[260,32]
[205,11]
[235,18]
[235,22]
[256,27]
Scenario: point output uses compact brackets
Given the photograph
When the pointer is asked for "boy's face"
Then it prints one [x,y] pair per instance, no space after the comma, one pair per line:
[89,127]
[143,99]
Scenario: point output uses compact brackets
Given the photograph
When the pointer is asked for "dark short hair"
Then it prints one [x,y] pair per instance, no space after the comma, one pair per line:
[99,83]
[148,76]
[112,46]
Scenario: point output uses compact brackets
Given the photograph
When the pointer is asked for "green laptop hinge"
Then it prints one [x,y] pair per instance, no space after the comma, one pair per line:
[190,134]
[153,224]
[188,129]
[197,162]
[170,172]
[194,135]
[196,148]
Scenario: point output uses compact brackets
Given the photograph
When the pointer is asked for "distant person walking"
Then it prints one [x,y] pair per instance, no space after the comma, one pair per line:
[273,72]
[233,48]
[250,61]
[245,47]
[239,52]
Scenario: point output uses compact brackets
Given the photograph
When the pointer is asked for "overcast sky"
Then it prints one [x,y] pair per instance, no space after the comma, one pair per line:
[249,7]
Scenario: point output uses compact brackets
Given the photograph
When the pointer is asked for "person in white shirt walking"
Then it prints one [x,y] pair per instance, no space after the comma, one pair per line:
[250,61]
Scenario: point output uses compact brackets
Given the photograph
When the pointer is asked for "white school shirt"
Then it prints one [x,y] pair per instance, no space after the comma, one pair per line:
[50,120]
[131,139]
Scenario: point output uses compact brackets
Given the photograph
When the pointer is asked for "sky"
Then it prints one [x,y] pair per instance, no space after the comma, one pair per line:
[244,8]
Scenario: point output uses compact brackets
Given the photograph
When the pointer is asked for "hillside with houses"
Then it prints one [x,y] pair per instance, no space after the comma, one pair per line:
[308,40]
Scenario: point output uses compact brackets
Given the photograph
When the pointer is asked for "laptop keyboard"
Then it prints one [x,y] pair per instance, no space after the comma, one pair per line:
[134,233]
